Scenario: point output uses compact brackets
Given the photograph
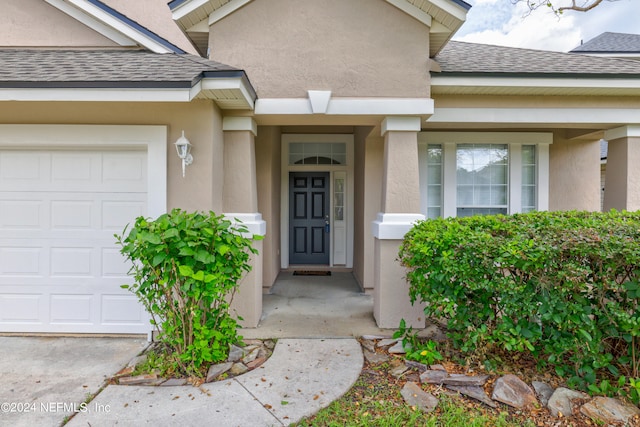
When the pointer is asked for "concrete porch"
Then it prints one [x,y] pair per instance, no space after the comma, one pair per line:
[315,307]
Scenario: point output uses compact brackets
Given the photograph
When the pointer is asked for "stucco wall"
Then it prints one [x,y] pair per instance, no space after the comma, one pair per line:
[574,174]
[360,228]
[623,179]
[201,189]
[290,46]
[34,23]
[268,176]
[373,156]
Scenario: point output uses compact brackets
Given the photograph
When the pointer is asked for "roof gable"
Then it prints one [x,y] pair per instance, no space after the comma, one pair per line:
[443,17]
[114,25]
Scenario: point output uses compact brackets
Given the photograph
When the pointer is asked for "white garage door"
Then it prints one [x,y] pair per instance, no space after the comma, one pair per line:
[60,269]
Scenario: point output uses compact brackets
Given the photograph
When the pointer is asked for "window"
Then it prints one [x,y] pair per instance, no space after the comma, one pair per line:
[482,179]
[483,173]
[317,153]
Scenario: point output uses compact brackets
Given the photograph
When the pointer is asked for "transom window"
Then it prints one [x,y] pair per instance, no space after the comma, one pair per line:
[317,153]
[469,174]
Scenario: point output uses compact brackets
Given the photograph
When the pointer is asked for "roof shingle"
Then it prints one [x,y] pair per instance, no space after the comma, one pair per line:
[104,68]
[611,43]
[473,58]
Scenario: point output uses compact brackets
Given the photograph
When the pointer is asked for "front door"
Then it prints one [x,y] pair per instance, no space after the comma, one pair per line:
[309,218]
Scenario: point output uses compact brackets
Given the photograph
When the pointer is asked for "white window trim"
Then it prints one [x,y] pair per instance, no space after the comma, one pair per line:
[515,141]
[332,169]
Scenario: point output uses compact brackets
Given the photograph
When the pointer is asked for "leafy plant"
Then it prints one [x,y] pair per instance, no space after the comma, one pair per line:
[186,268]
[562,286]
[418,350]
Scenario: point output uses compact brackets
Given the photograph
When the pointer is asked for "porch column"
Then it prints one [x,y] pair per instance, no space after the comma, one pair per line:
[240,201]
[400,209]
[622,182]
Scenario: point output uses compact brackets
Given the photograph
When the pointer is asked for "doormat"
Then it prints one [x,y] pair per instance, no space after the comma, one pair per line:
[311,273]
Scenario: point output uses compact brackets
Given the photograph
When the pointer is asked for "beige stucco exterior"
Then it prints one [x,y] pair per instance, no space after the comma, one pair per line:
[365,51]
[623,177]
[200,189]
[362,48]
[34,23]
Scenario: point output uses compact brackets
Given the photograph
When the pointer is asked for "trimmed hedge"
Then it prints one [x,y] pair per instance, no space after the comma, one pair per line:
[562,286]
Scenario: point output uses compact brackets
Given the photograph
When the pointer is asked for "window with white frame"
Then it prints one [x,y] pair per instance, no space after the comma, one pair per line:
[464,174]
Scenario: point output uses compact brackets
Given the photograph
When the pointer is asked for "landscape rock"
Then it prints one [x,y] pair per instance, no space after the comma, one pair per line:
[438,367]
[398,348]
[238,369]
[562,401]
[235,353]
[421,367]
[512,391]
[387,342]
[433,377]
[414,396]
[257,362]
[216,370]
[398,371]
[270,344]
[375,358]
[475,392]
[543,390]
[465,380]
[149,379]
[369,345]
[608,410]
[251,356]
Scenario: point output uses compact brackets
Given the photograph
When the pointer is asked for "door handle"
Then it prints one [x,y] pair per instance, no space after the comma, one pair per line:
[326,224]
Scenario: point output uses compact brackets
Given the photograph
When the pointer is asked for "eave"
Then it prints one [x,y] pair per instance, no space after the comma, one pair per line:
[547,85]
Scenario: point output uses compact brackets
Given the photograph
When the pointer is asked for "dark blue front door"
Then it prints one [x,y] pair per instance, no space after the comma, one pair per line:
[309,218]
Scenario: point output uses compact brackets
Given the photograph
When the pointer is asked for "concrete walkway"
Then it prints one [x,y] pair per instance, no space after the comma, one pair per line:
[301,377]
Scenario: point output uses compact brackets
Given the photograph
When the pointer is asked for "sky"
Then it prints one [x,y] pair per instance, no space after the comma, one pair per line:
[499,22]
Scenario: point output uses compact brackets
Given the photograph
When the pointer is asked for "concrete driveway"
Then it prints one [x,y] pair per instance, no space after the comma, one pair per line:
[44,380]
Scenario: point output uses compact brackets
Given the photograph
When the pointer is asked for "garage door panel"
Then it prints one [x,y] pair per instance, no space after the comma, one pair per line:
[72,308]
[20,261]
[21,214]
[60,267]
[21,308]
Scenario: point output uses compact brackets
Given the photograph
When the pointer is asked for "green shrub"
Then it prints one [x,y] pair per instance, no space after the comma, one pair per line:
[186,268]
[563,286]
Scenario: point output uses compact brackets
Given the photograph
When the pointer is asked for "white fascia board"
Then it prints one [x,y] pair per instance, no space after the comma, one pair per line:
[632,131]
[96,95]
[529,82]
[412,11]
[485,137]
[119,26]
[226,10]
[186,8]
[535,115]
[92,23]
[347,106]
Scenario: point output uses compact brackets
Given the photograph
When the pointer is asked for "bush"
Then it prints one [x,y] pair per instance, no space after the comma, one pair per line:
[186,268]
[562,286]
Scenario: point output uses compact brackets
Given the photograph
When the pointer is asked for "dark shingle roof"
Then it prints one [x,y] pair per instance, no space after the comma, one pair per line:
[611,43]
[105,68]
[473,58]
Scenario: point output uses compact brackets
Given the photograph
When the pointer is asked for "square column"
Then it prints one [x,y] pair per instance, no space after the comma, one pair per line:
[240,202]
[400,210]
[622,185]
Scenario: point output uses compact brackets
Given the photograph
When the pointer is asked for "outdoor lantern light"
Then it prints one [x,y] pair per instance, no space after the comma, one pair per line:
[183,147]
